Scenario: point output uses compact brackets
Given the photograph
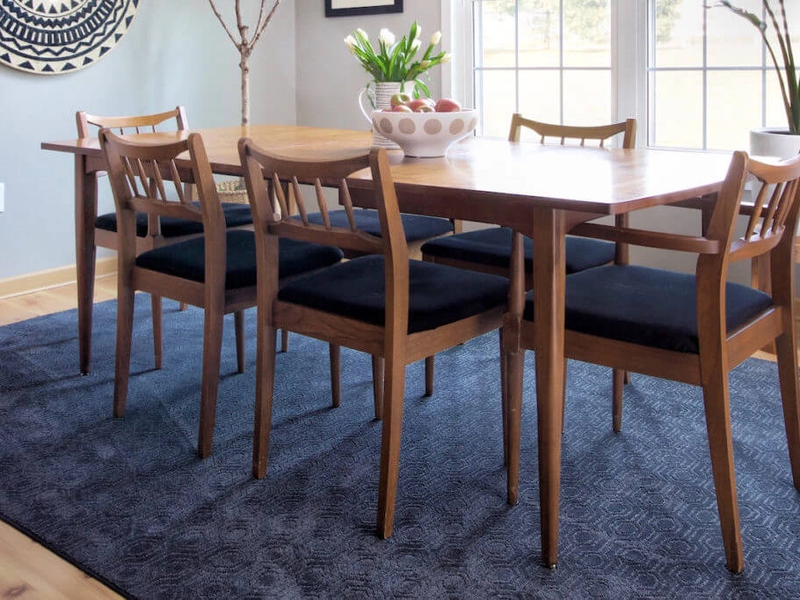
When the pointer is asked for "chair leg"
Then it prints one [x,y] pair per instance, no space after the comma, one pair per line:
[504,395]
[183,306]
[212,348]
[790,397]
[265,381]
[125,298]
[336,374]
[377,385]
[430,364]
[515,363]
[627,377]
[617,383]
[720,442]
[284,340]
[155,305]
[238,323]
[564,398]
[394,389]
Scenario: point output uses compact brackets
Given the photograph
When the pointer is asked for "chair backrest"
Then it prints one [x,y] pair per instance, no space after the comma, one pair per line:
[271,179]
[775,189]
[599,133]
[134,123]
[148,178]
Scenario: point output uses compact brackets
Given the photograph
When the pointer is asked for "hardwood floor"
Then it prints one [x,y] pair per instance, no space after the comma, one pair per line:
[27,569]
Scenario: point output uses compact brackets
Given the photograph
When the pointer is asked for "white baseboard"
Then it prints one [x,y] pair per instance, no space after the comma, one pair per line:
[50,278]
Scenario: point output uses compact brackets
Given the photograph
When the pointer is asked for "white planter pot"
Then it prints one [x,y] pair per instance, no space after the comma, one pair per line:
[774,141]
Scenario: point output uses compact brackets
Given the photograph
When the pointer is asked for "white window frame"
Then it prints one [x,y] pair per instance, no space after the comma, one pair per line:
[628,58]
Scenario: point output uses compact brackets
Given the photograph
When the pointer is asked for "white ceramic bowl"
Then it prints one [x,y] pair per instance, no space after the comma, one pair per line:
[422,134]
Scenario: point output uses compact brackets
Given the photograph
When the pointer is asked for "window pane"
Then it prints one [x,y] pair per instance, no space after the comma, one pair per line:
[539,41]
[539,97]
[776,114]
[587,37]
[734,108]
[679,33]
[587,97]
[677,115]
[494,33]
[497,91]
[732,40]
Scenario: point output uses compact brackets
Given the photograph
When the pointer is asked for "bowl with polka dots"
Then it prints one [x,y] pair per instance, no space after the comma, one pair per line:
[425,134]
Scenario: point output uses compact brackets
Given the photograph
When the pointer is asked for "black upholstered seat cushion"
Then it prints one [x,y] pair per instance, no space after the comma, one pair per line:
[236,215]
[438,295]
[645,306]
[416,227]
[492,247]
[187,259]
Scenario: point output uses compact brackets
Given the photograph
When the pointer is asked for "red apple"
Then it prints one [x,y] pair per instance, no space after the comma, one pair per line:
[401,108]
[424,108]
[418,102]
[399,99]
[447,105]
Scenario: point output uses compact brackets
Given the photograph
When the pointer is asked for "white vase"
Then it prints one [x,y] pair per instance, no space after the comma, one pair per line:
[377,97]
[774,141]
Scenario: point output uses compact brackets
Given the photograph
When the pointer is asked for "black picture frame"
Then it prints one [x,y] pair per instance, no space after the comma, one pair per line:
[378,9]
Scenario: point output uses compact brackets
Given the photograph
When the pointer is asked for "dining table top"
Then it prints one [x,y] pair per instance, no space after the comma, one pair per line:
[604,181]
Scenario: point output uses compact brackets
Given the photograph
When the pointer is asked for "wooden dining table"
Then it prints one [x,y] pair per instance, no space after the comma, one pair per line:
[541,191]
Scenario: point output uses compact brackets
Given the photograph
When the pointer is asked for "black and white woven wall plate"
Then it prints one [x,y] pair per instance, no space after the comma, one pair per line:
[50,37]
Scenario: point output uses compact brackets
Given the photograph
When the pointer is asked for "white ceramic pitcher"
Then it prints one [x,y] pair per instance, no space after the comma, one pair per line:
[378,97]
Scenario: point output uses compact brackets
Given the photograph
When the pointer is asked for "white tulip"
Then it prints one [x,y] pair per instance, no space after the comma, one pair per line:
[415,46]
[446,58]
[436,38]
[350,42]
[362,32]
[386,37]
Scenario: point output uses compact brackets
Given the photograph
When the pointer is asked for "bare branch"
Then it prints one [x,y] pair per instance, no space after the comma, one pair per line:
[260,15]
[239,25]
[221,20]
[262,26]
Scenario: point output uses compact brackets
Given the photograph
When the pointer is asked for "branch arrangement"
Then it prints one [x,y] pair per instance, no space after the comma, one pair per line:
[246,45]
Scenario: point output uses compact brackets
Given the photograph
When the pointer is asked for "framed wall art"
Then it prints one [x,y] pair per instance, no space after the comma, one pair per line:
[346,8]
[51,37]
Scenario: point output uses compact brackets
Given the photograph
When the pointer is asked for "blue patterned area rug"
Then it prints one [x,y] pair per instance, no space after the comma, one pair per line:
[128,501]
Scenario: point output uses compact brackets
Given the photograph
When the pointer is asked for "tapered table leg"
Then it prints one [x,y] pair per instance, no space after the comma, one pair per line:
[548,288]
[85,252]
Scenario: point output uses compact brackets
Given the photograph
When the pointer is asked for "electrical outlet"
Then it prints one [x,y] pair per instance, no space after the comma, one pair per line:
[2,197]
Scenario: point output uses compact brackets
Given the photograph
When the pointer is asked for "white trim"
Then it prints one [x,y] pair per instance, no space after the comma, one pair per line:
[629,64]
[50,278]
[457,37]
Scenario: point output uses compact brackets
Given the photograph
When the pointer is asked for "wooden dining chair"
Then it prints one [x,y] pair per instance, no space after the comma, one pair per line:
[692,328]
[380,303]
[153,231]
[215,271]
[489,250]
[418,230]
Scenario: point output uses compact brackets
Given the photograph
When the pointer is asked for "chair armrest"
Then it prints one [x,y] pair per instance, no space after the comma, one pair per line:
[652,239]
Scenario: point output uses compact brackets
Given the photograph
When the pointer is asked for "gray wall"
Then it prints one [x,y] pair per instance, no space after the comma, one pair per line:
[175,53]
[329,77]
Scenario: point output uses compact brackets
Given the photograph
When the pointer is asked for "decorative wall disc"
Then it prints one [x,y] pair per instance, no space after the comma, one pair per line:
[51,37]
